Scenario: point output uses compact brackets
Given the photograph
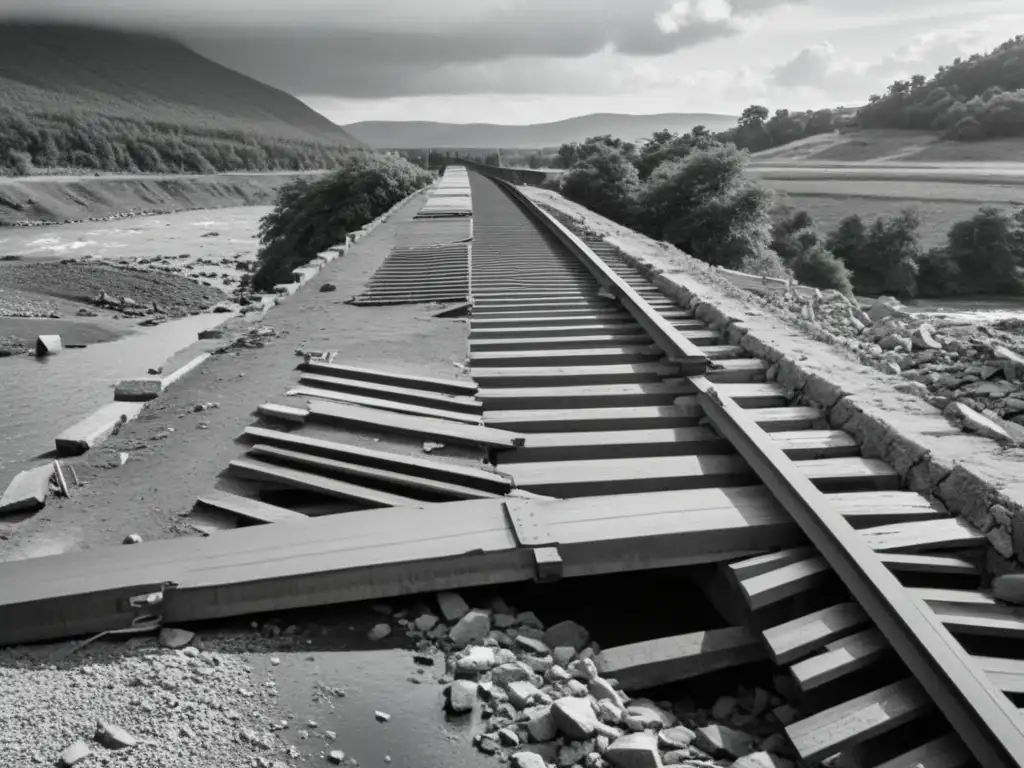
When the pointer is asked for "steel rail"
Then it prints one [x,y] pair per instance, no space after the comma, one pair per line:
[677,348]
[984,718]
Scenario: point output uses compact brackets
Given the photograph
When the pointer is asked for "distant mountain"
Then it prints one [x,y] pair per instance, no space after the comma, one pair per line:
[426,135]
[57,81]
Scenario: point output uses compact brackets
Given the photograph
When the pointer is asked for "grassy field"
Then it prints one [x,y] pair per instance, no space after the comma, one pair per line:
[939,203]
[878,145]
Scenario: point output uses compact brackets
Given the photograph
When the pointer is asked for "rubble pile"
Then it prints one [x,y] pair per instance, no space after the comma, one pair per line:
[973,373]
[543,701]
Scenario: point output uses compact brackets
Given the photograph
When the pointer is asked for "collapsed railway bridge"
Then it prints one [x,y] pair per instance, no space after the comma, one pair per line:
[620,434]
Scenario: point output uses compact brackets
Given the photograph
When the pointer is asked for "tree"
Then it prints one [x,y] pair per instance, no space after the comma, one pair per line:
[818,267]
[605,181]
[753,115]
[986,250]
[706,205]
[312,215]
[883,258]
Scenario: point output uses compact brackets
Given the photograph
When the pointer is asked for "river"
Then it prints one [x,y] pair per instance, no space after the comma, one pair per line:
[43,396]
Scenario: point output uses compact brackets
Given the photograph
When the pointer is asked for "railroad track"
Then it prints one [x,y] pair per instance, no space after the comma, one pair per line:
[619,390]
[627,435]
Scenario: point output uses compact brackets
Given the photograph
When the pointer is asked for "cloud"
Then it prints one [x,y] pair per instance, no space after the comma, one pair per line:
[383,48]
[821,67]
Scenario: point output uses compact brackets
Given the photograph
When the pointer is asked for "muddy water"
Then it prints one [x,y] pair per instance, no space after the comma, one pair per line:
[41,397]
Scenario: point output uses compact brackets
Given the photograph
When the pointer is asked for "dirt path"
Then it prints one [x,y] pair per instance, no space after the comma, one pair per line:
[176,453]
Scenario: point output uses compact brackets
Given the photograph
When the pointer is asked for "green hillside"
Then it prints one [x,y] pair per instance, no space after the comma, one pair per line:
[78,97]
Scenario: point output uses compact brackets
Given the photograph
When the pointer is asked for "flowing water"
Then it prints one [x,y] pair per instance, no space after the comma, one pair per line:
[41,397]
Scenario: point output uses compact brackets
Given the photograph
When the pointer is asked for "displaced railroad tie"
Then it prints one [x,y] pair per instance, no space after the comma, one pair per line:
[375,554]
[668,446]
[588,381]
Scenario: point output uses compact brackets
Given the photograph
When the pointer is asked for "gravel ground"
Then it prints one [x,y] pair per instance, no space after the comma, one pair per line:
[187,707]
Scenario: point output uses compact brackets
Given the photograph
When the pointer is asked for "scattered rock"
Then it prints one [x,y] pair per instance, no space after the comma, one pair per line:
[75,753]
[521,693]
[132,538]
[721,740]
[379,632]
[382,717]
[477,659]
[175,638]
[113,736]
[575,717]
[532,645]
[634,750]
[426,622]
[461,696]
[452,606]
[328,287]
[677,737]
[567,633]
[473,627]
[527,760]
[540,723]
[336,756]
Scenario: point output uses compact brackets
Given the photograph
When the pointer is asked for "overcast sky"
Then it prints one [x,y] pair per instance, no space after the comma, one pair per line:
[525,61]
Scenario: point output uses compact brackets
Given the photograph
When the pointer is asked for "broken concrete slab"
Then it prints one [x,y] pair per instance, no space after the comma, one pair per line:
[28,490]
[138,390]
[48,345]
[96,427]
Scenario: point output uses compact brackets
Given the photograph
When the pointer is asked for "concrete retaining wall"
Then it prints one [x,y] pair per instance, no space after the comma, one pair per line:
[970,476]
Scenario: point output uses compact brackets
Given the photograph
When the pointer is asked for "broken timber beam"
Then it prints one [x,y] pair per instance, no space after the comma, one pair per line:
[669,659]
[420,426]
[379,553]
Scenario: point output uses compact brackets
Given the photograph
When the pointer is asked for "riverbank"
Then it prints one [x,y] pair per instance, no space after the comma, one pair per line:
[38,200]
[182,263]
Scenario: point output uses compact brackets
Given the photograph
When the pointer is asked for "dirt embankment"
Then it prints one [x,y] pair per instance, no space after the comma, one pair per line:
[61,199]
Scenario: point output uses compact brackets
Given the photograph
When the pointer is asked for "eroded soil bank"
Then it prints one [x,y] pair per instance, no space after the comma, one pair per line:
[56,199]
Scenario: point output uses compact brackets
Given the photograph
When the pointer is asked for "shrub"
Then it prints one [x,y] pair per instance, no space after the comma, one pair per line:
[986,248]
[707,206]
[818,267]
[311,216]
[605,181]
[938,275]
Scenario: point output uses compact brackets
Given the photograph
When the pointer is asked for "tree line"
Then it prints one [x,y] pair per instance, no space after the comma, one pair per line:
[971,99]
[33,142]
[691,190]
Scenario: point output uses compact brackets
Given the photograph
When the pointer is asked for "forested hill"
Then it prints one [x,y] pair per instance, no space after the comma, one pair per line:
[971,99]
[110,100]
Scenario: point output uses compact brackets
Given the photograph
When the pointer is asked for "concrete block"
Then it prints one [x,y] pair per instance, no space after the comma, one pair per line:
[95,428]
[137,390]
[27,491]
[48,345]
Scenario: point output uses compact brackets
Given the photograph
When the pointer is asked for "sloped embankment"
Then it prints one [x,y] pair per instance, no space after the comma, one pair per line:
[59,199]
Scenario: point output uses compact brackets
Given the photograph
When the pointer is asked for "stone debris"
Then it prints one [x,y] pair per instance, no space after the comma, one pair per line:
[114,737]
[942,359]
[382,717]
[175,638]
[461,696]
[379,632]
[471,628]
[452,606]
[542,701]
[336,756]
[75,753]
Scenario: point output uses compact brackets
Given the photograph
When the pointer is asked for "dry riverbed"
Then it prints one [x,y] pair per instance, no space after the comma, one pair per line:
[74,279]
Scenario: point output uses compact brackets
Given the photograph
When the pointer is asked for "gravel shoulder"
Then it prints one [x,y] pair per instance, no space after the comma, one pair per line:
[176,452]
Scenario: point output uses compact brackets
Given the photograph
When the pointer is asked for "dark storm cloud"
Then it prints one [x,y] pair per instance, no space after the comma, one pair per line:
[377,48]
